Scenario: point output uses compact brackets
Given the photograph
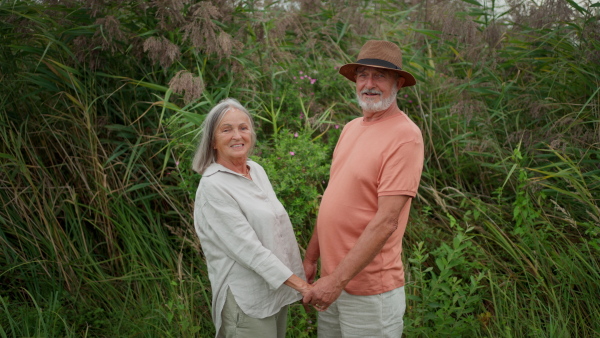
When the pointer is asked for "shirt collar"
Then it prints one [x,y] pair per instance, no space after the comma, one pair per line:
[215,167]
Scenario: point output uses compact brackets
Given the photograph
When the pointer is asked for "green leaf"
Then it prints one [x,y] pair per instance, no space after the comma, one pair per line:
[140,186]
[429,32]
[577,7]
[484,91]
[10,157]
[472,2]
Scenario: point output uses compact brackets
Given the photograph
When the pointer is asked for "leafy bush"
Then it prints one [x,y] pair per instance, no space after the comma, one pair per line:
[444,300]
[102,105]
[298,169]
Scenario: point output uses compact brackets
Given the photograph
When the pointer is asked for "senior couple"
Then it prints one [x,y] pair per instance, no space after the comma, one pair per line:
[253,260]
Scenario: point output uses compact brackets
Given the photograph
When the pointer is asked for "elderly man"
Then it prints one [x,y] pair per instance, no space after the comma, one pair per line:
[375,173]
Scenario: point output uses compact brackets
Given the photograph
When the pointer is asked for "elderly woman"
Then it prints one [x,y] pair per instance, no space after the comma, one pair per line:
[245,232]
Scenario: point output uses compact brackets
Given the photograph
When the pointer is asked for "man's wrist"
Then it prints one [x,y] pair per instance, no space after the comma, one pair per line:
[340,280]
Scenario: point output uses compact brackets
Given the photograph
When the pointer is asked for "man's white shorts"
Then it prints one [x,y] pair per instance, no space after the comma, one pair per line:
[364,316]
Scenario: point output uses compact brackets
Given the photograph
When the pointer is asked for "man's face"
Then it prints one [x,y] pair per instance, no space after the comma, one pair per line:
[376,88]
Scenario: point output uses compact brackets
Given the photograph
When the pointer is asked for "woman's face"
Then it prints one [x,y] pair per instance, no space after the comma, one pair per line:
[233,137]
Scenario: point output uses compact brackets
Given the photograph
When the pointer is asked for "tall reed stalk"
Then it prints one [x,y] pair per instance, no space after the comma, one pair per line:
[102,110]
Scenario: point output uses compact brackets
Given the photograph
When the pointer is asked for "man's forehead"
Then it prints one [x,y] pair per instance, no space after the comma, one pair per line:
[362,69]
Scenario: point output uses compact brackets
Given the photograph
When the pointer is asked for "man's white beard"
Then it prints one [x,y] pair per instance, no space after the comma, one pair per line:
[383,104]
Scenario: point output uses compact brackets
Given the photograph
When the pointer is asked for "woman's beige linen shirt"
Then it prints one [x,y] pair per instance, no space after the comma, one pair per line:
[248,241]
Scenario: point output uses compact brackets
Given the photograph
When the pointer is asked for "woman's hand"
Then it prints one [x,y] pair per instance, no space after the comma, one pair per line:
[298,284]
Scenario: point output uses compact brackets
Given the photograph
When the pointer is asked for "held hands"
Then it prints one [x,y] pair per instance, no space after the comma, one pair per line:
[323,292]
[319,294]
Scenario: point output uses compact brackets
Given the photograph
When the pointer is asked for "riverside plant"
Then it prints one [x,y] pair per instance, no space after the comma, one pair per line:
[103,105]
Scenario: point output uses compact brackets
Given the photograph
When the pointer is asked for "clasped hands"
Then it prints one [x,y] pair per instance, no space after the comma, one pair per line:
[322,293]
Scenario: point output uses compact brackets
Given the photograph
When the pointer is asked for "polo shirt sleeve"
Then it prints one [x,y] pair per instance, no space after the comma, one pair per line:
[401,168]
[239,240]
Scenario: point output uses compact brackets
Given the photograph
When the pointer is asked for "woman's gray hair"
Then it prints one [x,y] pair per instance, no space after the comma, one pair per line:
[205,153]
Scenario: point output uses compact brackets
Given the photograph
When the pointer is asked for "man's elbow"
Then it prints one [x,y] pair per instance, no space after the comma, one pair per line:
[389,226]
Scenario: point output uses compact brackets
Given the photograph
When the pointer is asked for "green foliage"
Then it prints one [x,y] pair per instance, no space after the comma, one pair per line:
[298,169]
[444,299]
[102,107]
[301,324]
[34,321]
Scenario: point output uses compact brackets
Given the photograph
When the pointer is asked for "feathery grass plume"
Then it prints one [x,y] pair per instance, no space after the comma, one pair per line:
[357,22]
[86,53]
[544,15]
[89,196]
[137,47]
[524,136]
[161,50]
[203,32]
[169,13]
[285,22]
[444,16]
[310,6]
[493,35]
[185,81]
[591,39]
[109,34]
[468,109]
[226,43]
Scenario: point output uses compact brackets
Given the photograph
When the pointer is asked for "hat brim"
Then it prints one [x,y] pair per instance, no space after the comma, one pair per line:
[349,72]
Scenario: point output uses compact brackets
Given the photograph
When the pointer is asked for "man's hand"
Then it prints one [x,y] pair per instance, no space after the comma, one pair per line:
[310,269]
[324,292]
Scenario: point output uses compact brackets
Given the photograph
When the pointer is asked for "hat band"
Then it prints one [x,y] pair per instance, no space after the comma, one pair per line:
[378,62]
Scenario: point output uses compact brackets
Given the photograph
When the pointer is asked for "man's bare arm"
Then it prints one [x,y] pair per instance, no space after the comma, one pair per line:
[327,289]
[311,256]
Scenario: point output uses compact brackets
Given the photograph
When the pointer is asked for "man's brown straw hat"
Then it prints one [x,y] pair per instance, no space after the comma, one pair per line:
[379,54]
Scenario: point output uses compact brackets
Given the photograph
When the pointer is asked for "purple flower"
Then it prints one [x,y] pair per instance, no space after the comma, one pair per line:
[177,163]
[295,134]
[337,126]
[312,81]
[409,101]
[405,95]
[292,153]
[301,115]
[301,72]
[294,78]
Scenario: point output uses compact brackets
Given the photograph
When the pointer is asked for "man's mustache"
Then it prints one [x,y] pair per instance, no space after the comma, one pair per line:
[371,91]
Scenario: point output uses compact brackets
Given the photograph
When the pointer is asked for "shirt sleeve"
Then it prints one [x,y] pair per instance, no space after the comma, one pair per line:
[401,170]
[240,242]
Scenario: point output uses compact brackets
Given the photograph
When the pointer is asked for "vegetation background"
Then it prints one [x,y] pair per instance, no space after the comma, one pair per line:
[101,106]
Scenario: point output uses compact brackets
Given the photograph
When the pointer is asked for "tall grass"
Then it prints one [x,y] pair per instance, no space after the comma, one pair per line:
[102,109]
